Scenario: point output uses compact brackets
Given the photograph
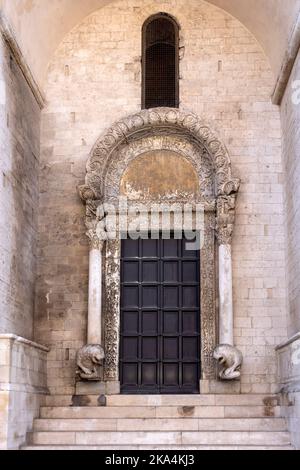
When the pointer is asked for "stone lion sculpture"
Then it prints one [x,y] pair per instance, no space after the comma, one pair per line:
[230,359]
[88,360]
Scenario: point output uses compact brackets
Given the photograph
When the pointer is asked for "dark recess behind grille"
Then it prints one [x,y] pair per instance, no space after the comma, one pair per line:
[160,63]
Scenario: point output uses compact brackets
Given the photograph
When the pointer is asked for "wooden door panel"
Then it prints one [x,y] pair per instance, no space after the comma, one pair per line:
[160,317]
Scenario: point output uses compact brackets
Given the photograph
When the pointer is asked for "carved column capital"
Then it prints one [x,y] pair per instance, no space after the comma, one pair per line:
[225,218]
[95,242]
[96,233]
[91,200]
[95,217]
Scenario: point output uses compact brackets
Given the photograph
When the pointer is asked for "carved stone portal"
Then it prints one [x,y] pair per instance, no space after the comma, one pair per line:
[169,131]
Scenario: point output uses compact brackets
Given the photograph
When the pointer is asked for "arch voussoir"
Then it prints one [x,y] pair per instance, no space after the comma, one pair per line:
[157,120]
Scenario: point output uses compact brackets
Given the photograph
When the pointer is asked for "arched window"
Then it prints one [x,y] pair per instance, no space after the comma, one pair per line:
[160,62]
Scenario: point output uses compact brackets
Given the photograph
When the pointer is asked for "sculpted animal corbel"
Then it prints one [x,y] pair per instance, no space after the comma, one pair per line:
[230,359]
[88,360]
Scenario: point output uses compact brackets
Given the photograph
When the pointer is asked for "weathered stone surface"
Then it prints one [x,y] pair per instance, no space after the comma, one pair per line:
[19,170]
[163,447]
[160,175]
[289,384]
[89,359]
[94,81]
[232,95]
[162,438]
[23,379]
[230,359]
[288,370]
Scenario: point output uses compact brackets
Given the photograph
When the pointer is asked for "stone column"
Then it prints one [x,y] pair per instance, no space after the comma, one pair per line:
[90,357]
[225,224]
[229,358]
[94,328]
[225,295]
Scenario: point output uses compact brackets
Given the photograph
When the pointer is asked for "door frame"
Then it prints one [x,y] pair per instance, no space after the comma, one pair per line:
[208,317]
[186,134]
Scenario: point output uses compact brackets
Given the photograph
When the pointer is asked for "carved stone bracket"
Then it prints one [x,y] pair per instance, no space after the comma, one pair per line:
[89,360]
[225,218]
[230,359]
[95,217]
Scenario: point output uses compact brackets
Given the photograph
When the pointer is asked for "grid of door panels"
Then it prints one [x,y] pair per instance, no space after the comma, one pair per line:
[160,317]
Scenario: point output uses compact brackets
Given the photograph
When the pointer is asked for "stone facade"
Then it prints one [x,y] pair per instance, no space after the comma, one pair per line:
[23,380]
[95,80]
[47,280]
[290,116]
[289,370]
[289,380]
[19,166]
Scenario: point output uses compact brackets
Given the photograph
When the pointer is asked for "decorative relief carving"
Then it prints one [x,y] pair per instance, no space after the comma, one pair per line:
[185,134]
[162,121]
[95,220]
[230,359]
[89,359]
[95,242]
[208,302]
[112,310]
[225,219]
[226,212]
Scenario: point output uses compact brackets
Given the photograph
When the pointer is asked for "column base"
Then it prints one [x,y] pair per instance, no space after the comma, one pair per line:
[217,387]
[97,388]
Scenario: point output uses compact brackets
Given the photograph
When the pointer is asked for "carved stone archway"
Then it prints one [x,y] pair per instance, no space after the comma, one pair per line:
[184,133]
[163,121]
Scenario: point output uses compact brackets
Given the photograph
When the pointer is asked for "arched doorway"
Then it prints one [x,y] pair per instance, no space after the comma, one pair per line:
[121,164]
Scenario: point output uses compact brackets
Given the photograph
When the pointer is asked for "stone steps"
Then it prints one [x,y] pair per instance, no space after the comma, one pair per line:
[160,448]
[195,422]
[178,424]
[164,400]
[133,438]
[136,412]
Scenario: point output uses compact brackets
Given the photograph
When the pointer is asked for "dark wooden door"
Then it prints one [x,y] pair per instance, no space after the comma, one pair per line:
[160,317]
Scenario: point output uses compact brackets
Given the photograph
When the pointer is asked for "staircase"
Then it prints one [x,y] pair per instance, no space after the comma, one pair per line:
[195,422]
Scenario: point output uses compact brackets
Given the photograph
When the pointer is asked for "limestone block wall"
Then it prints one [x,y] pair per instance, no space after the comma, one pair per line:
[289,379]
[290,116]
[19,168]
[289,370]
[23,380]
[95,79]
